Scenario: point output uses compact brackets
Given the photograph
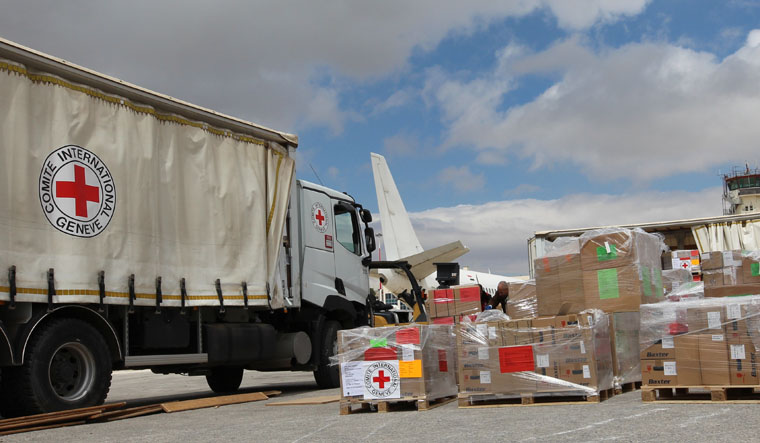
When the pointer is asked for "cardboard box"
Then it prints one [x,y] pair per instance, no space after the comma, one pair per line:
[659,373]
[706,320]
[664,349]
[583,374]
[613,289]
[711,261]
[732,291]
[571,284]
[615,248]
[466,300]
[751,267]
[713,359]
[444,302]
[742,367]
[548,296]
[522,302]
[713,278]
[687,360]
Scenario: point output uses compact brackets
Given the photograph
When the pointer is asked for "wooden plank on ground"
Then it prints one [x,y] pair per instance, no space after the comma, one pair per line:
[106,407]
[74,416]
[321,400]
[40,428]
[209,402]
[271,393]
[126,413]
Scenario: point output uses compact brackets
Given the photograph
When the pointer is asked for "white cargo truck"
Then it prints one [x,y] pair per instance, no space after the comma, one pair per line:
[140,231]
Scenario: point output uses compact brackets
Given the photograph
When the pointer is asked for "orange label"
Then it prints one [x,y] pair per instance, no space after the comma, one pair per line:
[410,369]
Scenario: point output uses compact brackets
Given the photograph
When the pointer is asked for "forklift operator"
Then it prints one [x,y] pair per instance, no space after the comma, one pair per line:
[500,297]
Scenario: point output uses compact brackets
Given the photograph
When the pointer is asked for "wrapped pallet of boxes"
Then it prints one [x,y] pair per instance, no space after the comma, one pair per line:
[451,305]
[624,338]
[412,363]
[522,302]
[731,273]
[613,269]
[699,343]
[527,361]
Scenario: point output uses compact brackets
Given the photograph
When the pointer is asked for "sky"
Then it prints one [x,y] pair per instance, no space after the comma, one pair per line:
[498,118]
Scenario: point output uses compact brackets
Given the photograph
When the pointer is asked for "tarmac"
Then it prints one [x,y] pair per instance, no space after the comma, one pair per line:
[621,418]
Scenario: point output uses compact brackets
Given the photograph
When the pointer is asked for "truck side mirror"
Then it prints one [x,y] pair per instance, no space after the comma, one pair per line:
[366,215]
[369,239]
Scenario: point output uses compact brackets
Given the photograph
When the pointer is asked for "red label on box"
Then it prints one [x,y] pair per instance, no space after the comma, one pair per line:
[472,317]
[469,294]
[375,354]
[516,359]
[443,363]
[443,321]
[408,336]
[547,268]
[443,295]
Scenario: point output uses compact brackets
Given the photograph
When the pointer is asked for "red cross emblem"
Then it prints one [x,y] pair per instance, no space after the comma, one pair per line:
[381,379]
[79,190]
[320,218]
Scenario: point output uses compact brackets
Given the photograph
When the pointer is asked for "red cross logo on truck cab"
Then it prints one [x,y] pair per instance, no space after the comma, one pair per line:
[381,379]
[320,218]
[79,190]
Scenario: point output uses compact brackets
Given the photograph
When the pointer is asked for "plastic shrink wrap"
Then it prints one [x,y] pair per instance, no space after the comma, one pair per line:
[411,362]
[614,269]
[561,355]
[709,342]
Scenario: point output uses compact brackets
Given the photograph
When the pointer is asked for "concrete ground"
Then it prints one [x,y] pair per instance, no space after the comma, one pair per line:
[622,418]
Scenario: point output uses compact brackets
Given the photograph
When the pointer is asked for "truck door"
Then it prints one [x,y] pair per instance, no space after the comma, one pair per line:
[318,232]
[348,253]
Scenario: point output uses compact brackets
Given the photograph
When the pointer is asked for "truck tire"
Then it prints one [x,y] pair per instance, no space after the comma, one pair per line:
[68,365]
[328,376]
[225,379]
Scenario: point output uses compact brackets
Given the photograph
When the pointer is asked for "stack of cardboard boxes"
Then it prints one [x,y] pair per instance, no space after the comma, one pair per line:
[615,270]
[450,306]
[710,342]
[730,273]
[522,301]
[558,355]
[420,359]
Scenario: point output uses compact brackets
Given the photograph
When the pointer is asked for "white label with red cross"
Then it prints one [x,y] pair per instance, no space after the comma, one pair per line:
[382,380]
[319,217]
[77,192]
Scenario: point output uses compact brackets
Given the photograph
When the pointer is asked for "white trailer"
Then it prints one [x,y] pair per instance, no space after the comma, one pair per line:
[140,231]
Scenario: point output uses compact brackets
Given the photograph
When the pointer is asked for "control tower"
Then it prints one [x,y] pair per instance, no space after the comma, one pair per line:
[741,191]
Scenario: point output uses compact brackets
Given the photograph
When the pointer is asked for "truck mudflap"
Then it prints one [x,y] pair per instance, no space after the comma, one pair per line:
[6,350]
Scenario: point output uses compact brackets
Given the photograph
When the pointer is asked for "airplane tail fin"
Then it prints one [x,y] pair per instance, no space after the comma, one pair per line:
[399,238]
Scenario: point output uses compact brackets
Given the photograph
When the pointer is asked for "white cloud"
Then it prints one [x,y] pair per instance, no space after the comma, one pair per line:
[525,188]
[333,172]
[642,111]
[497,232]
[397,99]
[461,179]
[402,145]
[268,60]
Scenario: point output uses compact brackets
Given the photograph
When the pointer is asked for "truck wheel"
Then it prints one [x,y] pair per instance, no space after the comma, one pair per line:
[328,376]
[225,379]
[68,365]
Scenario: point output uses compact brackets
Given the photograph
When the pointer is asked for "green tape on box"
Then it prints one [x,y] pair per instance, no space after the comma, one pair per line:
[657,272]
[603,255]
[378,342]
[646,281]
[607,279]
[755,267]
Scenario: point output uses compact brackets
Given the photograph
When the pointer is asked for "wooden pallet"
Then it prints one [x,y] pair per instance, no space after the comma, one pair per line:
[411,404]
[628,387]
[701,394]
[488,401]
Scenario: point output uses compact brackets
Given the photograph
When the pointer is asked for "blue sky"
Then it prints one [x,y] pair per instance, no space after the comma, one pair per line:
[498,119]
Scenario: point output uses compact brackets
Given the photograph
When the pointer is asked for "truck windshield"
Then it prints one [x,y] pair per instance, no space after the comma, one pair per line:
[347,228]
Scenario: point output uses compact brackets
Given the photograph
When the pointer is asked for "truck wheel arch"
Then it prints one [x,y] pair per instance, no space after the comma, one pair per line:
[340,309]
[83,313]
